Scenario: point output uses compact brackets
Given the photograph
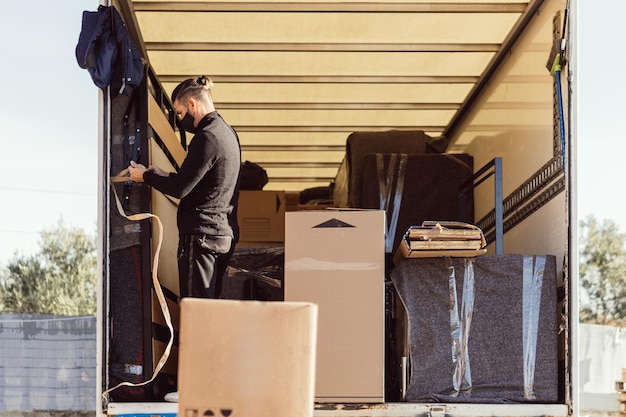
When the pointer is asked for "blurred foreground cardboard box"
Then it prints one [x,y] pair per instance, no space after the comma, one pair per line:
[336,259]
[246,358]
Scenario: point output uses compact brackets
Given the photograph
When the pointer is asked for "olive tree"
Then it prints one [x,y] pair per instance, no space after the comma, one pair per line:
[602,272]
[60,278]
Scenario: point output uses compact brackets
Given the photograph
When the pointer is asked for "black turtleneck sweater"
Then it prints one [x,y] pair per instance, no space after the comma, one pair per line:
[207,182]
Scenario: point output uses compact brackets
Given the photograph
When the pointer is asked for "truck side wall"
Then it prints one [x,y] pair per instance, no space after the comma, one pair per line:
[516,118]
[513,119]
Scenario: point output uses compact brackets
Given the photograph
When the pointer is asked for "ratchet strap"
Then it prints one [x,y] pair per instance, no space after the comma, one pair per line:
[122,177]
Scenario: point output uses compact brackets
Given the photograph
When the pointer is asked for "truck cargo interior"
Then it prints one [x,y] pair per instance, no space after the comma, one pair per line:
[374,122]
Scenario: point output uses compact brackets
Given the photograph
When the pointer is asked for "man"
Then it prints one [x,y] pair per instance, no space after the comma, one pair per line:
[207,184]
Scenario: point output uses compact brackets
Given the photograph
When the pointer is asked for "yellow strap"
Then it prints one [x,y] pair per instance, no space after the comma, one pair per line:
[122,177]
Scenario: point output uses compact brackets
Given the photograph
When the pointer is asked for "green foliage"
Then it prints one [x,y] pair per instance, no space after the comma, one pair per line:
[602,272]
[59,279]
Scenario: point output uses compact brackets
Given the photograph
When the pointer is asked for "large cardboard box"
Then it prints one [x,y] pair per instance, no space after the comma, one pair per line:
[335,258]
[246,358]
[261,216]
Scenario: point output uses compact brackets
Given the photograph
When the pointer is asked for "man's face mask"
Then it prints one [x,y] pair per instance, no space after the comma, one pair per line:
[187,123]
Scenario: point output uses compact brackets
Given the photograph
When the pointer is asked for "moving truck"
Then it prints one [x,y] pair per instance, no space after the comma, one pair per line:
[492,82]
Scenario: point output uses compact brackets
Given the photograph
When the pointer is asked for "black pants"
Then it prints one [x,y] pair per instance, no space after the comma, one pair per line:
[202,263]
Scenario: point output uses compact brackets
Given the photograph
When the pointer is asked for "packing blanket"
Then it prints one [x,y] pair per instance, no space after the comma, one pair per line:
[480,329]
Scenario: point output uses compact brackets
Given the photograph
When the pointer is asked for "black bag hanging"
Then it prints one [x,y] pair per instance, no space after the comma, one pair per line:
[253,176]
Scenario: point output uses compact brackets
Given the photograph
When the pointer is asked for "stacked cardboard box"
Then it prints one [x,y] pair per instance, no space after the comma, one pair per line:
[335,259]
[261,218]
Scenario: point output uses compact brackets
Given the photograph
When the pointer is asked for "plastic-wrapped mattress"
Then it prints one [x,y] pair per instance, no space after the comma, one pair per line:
[414,188]
[255,274]
[349,180]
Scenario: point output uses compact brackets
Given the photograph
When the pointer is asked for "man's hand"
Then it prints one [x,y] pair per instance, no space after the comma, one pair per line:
[158,171]
[136,171]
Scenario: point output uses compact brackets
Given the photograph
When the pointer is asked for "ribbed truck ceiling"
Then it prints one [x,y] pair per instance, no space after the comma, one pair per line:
[296,78]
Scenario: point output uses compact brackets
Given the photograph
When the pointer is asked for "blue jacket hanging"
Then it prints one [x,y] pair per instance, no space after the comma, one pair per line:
[106,49]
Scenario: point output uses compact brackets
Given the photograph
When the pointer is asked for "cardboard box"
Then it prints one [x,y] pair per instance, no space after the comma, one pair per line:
[335,258]
[246,358]
[261,216]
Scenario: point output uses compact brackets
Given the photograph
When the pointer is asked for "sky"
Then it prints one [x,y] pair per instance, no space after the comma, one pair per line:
[49,125]
[48,114]
[601,110]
